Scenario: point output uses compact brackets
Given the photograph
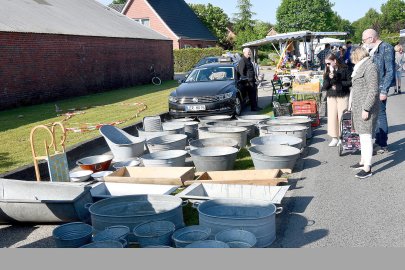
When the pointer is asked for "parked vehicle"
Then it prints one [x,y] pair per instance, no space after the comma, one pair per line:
[209,89]
[212,60]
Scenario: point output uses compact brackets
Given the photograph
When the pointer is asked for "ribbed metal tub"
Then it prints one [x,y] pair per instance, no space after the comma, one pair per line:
[255,216]
[214,158]
[190,234]
[133,210]
[213,142]
[151,134]
[277,140]
[190,127]
[292,120]
[252,130]
[167,142]
[292,130]
[237,133]
[211,118]
[173,127]
[104,244]
[154,233]
[113,233]
[169,158]
[237,238]
[208,244]
[72,235]
[253,118]
[274,156]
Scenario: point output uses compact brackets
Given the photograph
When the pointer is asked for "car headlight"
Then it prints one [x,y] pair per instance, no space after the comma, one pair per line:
[173,99]
[224,96]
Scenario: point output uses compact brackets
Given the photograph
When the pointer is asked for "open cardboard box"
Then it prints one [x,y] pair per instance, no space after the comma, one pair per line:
[152,175]
[308,87]
[243,177]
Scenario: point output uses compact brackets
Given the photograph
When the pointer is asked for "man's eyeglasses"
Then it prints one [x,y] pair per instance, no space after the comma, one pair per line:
[364,39]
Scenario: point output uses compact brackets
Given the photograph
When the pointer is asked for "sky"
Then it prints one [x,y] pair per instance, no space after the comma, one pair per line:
[266,9]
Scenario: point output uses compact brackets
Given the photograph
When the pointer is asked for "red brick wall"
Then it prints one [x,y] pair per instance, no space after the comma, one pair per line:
[35,68]
[139,9]
[196,43]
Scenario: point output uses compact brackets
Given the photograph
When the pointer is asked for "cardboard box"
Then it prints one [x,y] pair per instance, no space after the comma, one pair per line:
[309,87]
[152,175]
[243,177]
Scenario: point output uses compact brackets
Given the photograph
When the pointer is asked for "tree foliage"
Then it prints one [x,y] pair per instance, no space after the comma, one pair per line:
[372,19]
[119,2]
[215,19]
[298,15]
[393,15]
[243,20]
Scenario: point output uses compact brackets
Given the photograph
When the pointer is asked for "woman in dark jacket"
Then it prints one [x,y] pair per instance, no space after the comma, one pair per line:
[337,82]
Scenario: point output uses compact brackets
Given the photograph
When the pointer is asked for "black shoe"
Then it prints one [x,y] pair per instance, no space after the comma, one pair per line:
[357,166]
[256,109]
[399,91]
[363,174]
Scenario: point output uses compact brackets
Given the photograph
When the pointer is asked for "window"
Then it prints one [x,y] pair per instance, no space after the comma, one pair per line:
[145,22]
[187,46]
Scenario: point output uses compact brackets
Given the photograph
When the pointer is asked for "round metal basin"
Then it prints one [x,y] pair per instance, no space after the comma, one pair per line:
[237,133]
[277,140]
[214,158]
[274,156]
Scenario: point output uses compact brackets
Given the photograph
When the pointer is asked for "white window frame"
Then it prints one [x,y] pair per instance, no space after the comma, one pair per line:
[143,21]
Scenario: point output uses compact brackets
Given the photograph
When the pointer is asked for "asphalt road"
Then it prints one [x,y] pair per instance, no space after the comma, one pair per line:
[326,205]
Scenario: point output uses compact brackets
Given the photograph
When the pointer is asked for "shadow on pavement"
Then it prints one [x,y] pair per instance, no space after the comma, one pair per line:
[13,234]
[395,156]
[43,243]
[316,141]
[312,151]
[396,128]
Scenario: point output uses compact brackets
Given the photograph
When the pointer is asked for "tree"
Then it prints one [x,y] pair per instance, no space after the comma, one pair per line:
[259,30]
[119,2]
[372,19]
[243,20]
[342,25]
[298,15]
[215,19]
[393,15]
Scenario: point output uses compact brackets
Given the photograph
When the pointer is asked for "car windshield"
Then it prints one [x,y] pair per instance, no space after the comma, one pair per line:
[211,74]
[206,61]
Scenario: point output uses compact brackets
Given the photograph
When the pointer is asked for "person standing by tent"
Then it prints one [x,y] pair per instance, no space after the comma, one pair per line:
[322,55]
[383,55]
[247,73]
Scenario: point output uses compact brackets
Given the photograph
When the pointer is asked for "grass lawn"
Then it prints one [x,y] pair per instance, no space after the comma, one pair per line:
[16,124]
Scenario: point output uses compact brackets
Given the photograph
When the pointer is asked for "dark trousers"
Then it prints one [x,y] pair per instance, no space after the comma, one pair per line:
[381,135]
[251,89]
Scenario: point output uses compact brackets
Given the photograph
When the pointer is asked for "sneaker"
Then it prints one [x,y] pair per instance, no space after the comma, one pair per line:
[363,174]
[382,150]
[334,142]
[357,166]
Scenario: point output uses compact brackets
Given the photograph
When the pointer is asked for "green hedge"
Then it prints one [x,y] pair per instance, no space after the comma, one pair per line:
[185,59]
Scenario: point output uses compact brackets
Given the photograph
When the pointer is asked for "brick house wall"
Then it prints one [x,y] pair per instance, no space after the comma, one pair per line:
[139,9]
[35,68]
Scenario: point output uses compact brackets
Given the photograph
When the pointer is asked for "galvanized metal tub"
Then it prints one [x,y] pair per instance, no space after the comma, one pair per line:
[151,134]
[104,244]
[256,119]
[277,140]
[213,142]
[208,244]
[237,238]
[190,234]
[211,118]
[252,130]
[214,158]
[167,142]
[173,127]
[237,133]
[43,202]
[72,235]
[274,156]
[255,216]
[113,233]
[190,127]
[154,233]
[169,158]
[306,122]
[292,130]
[133,210]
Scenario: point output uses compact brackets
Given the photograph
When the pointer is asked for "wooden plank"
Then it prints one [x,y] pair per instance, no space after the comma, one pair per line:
[261,182]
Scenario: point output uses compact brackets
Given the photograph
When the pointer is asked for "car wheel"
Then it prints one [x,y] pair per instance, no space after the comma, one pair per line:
[238,106]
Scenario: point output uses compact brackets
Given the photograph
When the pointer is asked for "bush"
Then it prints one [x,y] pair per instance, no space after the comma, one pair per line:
[185,59]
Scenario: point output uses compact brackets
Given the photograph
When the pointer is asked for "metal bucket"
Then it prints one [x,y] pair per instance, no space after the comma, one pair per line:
[255,216]
[237,133]
[169,158]
[292,130]
[72,235]
[114,233]
[207,244]
[190,234]
[154,233]
[104,244]
[167,142]
[133,210]
[292,120]
[190,127]
[278,140]
[214,158]
[213,142]
[256,119]
[211,118]
[173,127]
[152,123]
[151,134]
[237,238]
[252,130]
[274,156]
